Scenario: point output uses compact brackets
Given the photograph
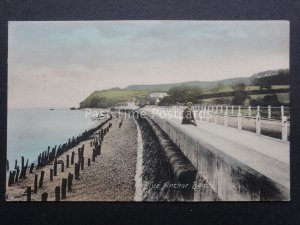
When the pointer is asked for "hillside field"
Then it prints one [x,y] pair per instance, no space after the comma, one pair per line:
[117,96]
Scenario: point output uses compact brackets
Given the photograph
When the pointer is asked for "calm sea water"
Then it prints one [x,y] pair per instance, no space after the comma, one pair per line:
[31,131]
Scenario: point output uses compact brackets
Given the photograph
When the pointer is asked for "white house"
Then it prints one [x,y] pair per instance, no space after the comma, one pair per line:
[157,95]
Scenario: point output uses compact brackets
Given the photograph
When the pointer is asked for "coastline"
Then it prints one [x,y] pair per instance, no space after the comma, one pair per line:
[110,178]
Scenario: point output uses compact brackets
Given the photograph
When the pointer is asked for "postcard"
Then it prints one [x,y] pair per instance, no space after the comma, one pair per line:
[127,110]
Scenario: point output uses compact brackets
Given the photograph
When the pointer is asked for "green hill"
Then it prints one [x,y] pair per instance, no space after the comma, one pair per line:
[111,97]
[116,96]
[201,84]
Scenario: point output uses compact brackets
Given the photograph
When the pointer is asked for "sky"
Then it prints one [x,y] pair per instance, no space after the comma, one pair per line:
[59,63]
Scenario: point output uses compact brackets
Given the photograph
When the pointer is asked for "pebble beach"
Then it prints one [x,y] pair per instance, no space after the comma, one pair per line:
[110,178]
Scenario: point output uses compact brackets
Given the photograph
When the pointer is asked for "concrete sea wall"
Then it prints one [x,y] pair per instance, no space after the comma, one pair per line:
[167,174]
[248,176]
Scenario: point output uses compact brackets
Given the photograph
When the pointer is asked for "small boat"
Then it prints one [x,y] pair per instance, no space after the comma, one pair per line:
[51,109]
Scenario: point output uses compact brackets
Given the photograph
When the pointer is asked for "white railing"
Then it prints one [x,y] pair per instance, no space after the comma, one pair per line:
[258,113]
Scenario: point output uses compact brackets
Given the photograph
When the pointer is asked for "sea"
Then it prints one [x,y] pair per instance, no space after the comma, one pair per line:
[30,131]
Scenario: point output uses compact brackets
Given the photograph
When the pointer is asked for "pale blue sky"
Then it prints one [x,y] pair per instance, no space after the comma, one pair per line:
[58,64]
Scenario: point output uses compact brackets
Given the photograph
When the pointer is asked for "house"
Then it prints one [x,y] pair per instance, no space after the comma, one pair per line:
[155,97]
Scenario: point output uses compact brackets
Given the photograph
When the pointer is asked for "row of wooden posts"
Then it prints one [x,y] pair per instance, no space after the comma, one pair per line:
[17,174]
[66,183]
[47,157]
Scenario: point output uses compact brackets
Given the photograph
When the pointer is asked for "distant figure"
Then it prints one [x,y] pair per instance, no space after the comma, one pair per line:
[188,115]
[120,124]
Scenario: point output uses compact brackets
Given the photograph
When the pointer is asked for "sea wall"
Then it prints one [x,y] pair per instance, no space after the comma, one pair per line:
[226,174]
[167,174]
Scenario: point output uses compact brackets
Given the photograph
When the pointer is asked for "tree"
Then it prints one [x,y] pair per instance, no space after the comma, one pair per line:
[239,98]
[167,101]
[270,100]
[265,101]
[239,87]
[255,102]
[239,94]
[281,78]
[182,94]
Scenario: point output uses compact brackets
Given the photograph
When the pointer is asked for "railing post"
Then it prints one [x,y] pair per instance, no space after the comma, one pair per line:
[249,111]
[221,109]
[200,113]
[226,117]
[232,108]
[284,124]
[282,111]
[207,115]
[269,112]
[258,121]
[240,117]
[215,117]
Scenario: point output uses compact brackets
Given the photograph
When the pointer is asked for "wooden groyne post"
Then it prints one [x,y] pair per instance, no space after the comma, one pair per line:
[41,179]
[62,166]
[98,149]
[63,188]
[94,155]
[24,168]
[70,181]
[44,197]
[72,158]
[35,183]
[77,167]
[28,193]
[55,167]
[31,167]
[82,163]
[10,179]
[51,174]
[16,164]
[57,193]
[17,174]
[68,159]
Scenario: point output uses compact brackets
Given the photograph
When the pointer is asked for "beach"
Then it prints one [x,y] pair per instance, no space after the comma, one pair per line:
[110,178]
